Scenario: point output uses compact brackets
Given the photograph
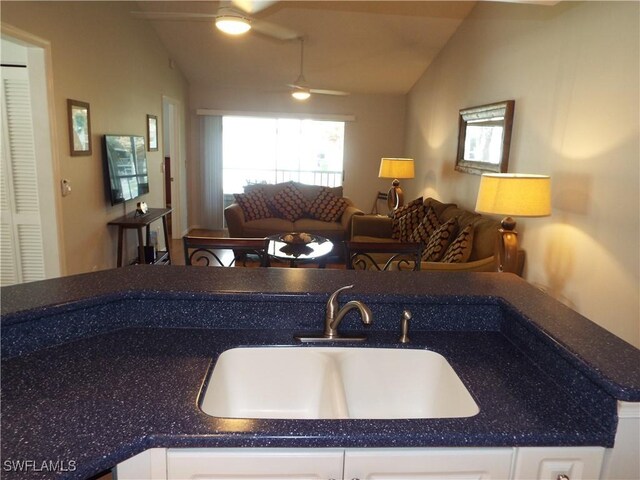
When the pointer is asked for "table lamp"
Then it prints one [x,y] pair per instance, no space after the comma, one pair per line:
[520,195]
[396,168]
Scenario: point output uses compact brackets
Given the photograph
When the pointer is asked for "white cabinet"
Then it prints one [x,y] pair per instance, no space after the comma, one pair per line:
[253,464]
[551,463]
[528,463]
[431,463]
[622,462]
[148,465]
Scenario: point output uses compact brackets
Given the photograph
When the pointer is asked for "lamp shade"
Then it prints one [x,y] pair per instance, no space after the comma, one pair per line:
[518,195]
[396,168]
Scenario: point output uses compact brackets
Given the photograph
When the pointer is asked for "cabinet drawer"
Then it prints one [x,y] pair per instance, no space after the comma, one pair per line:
[433,463]
[245,464]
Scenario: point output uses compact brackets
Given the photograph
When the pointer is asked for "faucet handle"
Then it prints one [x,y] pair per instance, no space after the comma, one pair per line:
[332,303]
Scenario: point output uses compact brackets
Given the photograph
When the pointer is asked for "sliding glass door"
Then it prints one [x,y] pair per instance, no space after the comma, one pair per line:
[274,150]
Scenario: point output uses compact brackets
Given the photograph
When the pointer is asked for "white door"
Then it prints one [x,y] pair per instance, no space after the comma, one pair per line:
[29,243]
[22,247]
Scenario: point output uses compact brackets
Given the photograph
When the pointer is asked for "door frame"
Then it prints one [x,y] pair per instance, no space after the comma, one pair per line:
[172,139]
[47,158]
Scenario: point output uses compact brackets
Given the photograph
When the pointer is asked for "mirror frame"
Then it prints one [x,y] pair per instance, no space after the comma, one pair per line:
[501,109]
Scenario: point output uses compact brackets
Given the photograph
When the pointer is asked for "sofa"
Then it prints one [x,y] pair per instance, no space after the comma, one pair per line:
[471,244]
[270,209]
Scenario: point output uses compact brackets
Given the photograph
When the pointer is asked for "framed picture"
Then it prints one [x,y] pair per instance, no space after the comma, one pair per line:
[79,128]
[152,133]
[484,138]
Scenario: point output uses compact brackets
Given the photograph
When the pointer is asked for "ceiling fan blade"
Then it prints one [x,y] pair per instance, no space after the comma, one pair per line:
[175,16]
[273,30]
[253,6]
[328,92]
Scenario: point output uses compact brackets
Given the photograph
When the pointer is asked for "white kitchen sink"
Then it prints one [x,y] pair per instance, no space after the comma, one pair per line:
[335,383]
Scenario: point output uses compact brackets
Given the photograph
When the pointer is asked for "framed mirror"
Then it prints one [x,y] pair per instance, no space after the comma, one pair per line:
[484,138]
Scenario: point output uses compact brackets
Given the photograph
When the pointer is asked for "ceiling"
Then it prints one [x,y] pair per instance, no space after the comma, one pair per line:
[362,47]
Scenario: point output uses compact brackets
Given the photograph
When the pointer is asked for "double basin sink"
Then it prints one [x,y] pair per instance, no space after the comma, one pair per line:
[335,383]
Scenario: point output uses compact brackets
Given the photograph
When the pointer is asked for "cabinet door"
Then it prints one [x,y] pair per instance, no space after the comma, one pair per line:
[549,463]
[148,465]
[254,464]
[432,464]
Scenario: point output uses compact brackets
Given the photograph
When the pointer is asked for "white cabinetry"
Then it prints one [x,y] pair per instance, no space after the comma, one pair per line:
[432,463]
[253,464]
[551,463]
[148,465]
[622,462]
[544,463]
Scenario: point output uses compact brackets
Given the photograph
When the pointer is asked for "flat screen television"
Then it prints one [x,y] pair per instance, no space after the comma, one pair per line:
[126,171]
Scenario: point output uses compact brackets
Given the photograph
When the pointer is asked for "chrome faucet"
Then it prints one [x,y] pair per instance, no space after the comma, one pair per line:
[335,314]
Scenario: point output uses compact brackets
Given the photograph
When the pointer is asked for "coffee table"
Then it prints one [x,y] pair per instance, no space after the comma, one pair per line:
[295,253]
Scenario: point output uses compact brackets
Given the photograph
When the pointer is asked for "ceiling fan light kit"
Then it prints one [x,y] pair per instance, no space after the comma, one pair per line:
[300,93]
[300,90]
[233,24]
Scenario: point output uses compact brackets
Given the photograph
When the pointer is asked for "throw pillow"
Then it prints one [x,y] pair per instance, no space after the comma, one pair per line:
[459,250]
[253,204]
[402,211]
[437,245]
[409,222]
[288,203]
[429,224]
[327,207]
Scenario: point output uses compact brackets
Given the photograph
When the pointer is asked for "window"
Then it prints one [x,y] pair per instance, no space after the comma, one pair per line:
[274,150]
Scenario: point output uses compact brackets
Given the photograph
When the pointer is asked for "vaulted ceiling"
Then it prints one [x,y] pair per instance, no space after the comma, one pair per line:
[369,47]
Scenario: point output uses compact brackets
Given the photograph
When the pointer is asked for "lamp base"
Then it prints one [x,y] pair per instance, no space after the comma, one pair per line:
[395,197]
[508,250]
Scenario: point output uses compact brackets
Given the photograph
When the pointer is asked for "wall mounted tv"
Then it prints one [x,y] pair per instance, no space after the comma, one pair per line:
[125,167]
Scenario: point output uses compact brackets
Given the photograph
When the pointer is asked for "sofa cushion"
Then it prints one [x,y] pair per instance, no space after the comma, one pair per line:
[438,206]
[485,238]
[253,204]
[288,203]
[326,206]
[437,245]
[459,250]
[485,230]
[400,212]
[267,226]
[331,230]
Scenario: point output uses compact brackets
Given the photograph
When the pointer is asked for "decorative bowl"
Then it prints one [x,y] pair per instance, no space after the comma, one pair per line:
[295,238]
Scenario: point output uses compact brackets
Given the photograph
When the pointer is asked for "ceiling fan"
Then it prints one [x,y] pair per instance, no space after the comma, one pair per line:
[300,88]
[234,17]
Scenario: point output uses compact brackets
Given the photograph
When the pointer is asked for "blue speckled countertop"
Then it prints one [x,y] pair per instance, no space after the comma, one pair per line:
[99,367]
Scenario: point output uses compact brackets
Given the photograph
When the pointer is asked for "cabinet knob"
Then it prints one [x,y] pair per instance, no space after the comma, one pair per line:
[562,476]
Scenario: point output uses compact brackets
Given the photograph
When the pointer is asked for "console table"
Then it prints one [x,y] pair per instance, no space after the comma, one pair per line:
[131,220]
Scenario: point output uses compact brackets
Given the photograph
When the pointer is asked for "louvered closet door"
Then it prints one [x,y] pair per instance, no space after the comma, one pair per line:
[21,247]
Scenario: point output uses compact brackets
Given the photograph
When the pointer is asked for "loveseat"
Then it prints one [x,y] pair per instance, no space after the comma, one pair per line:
[469,244]
[270,209]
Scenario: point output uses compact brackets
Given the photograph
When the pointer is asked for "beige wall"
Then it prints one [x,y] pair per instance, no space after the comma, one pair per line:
[377,131]
[103,56]
[573,70]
